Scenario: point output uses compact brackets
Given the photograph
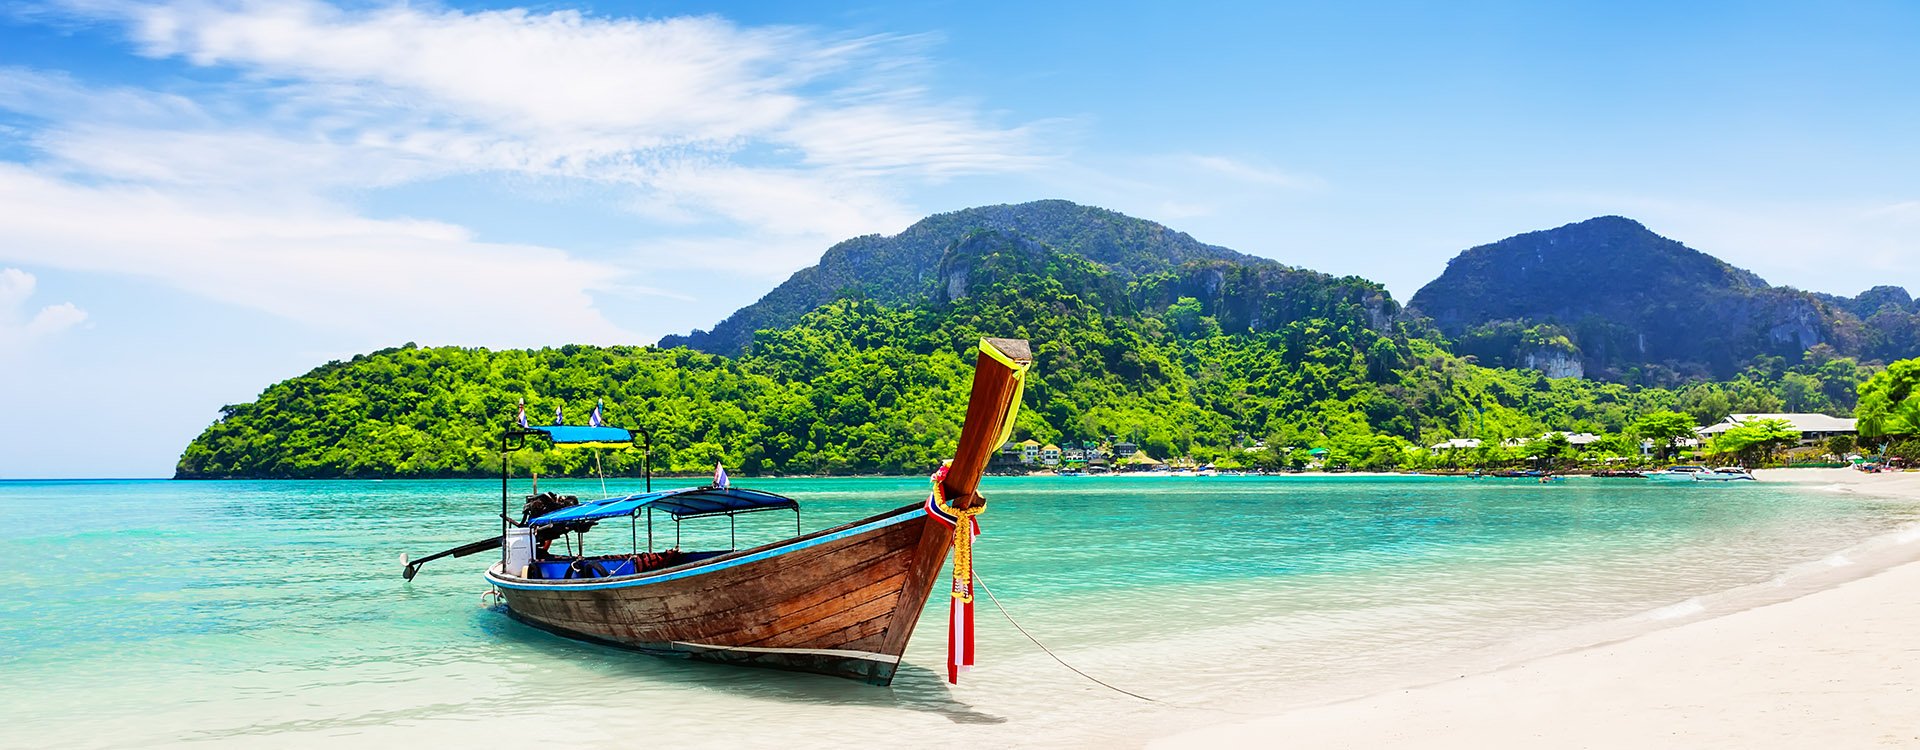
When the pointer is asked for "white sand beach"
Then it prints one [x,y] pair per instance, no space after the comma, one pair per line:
[1835,668]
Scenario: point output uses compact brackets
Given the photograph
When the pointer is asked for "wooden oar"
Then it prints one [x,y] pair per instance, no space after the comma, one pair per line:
[408,568]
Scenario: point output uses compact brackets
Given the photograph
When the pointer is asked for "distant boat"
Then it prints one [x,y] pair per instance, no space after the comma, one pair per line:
[1618,474]
[1681,473]
[1723,474]
[842,601]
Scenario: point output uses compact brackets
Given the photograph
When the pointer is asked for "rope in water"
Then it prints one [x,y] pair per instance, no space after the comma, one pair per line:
[1043,647]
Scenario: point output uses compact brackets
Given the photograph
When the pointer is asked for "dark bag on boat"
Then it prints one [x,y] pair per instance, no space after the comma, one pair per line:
[544,503]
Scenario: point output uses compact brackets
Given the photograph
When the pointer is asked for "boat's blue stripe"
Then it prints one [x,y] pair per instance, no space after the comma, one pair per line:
[721,565]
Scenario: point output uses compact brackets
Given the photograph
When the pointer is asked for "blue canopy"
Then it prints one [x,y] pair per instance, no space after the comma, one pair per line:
[686,502]
[568,434]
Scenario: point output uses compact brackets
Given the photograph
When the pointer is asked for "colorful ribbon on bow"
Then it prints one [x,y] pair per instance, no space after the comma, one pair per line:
[960,613]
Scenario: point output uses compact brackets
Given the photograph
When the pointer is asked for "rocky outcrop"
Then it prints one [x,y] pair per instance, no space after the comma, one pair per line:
[1555,363]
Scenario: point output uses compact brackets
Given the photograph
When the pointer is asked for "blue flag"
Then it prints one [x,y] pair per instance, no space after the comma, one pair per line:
[593,420]
[556,415]
[523,413]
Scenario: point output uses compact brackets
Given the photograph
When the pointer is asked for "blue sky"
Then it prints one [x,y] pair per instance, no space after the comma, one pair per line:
[200,198]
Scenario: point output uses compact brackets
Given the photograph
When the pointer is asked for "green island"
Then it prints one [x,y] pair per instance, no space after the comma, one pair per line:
[1143,338]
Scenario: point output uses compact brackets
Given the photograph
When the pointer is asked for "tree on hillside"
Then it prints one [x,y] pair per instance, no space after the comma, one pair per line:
[1663,428]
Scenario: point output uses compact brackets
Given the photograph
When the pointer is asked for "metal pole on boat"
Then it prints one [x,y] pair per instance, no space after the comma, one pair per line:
[597,470]
[647,459]
[503,502]
[649,529]
[733,539]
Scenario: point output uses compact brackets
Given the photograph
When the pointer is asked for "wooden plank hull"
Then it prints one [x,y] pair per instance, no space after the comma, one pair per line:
[841,601]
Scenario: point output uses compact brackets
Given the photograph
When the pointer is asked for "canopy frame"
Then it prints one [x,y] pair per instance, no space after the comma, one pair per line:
[514,439]
[683,504]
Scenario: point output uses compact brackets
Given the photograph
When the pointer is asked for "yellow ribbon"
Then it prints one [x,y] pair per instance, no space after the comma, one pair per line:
[1019,389]
[962,540]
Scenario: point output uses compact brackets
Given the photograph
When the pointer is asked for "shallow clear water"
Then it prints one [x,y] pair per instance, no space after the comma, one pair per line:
[272,613]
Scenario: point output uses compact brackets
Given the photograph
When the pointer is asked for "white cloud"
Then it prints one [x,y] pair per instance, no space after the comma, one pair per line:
[568,94]
[17,328]
[382,279]
[757,146]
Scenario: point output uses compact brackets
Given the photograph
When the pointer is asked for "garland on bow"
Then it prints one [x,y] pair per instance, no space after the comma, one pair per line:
[965,524]
[960,611]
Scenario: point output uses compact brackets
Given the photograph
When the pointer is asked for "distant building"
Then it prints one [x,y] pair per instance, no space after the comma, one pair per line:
[1029,451]
[1050,455]
[1814,428]
[1140,461]
[1458,444]
[1073,454]
[1576,439]
[1125,450]
[1647,446]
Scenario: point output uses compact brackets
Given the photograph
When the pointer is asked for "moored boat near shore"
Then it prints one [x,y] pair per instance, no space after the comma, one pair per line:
[1723,474]
[1678,473]
[842,601]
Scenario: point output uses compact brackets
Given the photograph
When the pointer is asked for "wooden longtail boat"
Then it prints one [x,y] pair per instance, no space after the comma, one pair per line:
[842,601]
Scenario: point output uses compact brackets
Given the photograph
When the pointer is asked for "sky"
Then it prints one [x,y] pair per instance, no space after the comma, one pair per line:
[199,198]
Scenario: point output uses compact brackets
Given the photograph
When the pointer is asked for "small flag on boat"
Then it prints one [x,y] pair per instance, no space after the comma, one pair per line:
[593,420]
[719,475]
[556,414]
[523,413]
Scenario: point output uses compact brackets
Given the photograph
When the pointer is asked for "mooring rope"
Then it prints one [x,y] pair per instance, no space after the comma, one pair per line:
[1043,647]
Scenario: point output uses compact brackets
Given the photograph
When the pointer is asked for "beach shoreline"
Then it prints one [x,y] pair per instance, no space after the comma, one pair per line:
[1836,666]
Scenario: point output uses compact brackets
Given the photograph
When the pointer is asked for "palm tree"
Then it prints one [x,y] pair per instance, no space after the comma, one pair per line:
[1883,420]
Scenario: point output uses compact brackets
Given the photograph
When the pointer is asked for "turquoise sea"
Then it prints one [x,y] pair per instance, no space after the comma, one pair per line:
[268,614]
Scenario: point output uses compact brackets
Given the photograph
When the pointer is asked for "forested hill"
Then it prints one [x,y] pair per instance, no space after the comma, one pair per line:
[904,268]
[1204,357]
[1610,299]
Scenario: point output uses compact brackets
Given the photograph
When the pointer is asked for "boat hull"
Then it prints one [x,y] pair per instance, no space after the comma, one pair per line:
[841,602]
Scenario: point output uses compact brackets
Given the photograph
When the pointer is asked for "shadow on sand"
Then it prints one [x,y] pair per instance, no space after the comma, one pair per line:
[914,688]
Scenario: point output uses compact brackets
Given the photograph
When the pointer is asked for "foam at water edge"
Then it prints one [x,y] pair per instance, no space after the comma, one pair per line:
[1687,608]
